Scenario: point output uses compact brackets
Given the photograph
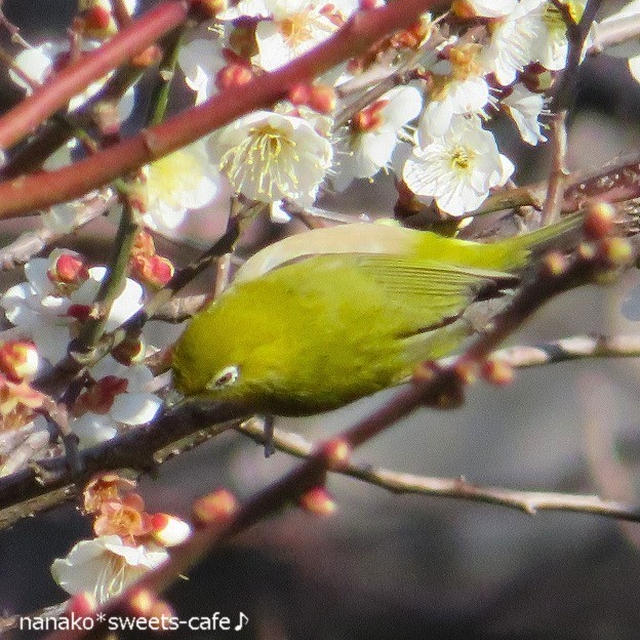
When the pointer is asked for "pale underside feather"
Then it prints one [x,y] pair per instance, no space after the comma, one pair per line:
[350,238]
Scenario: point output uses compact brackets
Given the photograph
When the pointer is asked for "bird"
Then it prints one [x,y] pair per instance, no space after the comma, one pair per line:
[327,316]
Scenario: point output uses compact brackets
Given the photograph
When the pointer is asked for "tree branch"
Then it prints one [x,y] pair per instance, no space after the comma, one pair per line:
[50,482]
[399,482]
[562,100]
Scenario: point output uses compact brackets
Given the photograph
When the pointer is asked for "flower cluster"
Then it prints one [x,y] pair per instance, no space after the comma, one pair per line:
[432,131]
[292,154]
[129,541]
[48,310]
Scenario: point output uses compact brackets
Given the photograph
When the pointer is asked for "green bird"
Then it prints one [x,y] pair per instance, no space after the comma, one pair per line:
[324,317]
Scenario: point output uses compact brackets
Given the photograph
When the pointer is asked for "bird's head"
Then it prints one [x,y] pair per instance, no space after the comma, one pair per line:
[229,352]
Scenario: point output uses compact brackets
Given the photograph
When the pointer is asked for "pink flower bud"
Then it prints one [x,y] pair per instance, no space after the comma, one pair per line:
[218,506]
[169,530]
[18,360]
[67,270]
[318,501]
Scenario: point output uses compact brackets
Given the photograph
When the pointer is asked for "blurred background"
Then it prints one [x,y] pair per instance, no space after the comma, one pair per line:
[393,567]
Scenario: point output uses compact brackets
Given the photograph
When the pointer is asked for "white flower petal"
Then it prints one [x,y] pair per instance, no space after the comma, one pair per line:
[35,63]
[137,375]
[125,305]
[135,408]
[104,566]
[525,108]
[269,157]
[92,428]
[278,214]
[52,342]
[634,67]
[36,271]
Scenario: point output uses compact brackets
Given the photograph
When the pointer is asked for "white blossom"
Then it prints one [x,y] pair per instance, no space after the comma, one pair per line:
[551,46]
[458,97]
[179,183]
[510,47]
[120,396]
[268,157]
[525,108]
[293,26]
[41,311]
[105,566]
[368,144]
[200,60]
[534,32]
[459,168]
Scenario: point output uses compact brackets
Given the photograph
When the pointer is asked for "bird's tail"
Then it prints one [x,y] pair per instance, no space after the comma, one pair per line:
[513,254]
[565,232]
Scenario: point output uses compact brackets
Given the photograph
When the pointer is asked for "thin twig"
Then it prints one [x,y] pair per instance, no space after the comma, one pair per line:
[111,285]
[561,102]
[180,309]
[12,29]
[555,188]
[571,348]
[610,33]
[166,71]
[399,482]
[60,128]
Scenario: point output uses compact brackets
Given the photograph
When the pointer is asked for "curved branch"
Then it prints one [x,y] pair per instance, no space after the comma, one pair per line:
[50,481]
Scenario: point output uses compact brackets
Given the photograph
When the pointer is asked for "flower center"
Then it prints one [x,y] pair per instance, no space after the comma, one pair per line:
[370,118]
[464,61]
[296,29]
[554,20]
[266,159]
[461,158]
[169,177]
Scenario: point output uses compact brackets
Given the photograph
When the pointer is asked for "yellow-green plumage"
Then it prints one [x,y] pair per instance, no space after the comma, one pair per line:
[294,338]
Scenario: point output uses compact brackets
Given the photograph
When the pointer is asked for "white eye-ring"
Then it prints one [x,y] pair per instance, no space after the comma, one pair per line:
[224,378]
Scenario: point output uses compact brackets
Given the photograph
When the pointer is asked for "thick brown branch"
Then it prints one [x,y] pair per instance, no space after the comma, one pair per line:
[51,482]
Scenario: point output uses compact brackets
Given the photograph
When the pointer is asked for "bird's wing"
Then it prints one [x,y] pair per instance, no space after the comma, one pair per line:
[429,294]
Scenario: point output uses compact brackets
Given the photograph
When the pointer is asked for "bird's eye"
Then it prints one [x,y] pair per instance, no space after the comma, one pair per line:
[224,378]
